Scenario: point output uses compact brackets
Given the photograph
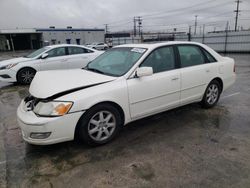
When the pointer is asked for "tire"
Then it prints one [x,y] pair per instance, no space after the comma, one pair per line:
[211,95]
[25,75]
[100,124]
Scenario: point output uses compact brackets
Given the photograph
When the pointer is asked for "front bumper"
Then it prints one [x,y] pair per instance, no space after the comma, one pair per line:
[61,128]
[8,75]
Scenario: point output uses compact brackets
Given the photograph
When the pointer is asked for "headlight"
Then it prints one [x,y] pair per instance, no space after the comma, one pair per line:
[8,66]
[53,108]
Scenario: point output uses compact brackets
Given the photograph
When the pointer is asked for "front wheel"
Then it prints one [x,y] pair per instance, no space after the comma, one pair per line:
[25,75]
[212,94]
[100,124]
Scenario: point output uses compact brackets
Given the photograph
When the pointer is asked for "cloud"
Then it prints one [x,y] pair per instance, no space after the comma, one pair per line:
[88,13]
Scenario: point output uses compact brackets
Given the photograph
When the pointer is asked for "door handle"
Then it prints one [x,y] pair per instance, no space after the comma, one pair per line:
[176,78]
[63,60]
[207,70]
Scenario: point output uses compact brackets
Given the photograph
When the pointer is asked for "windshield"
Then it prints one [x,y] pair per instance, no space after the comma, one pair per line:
[116,61]
[37,52]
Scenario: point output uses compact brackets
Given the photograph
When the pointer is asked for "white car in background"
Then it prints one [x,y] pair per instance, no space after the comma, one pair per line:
[124,84]
[64,56]
[98,46]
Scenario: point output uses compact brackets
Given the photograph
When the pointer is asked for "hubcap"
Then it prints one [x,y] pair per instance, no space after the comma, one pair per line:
[27,76]
[212,94]
[101,126]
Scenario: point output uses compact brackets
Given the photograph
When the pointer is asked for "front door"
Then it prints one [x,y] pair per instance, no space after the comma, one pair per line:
[57,59]
[158,92]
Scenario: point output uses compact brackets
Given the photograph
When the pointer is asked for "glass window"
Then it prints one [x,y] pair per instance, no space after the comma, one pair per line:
[37,52]
[160,60]
[78,41]
[116,61]
[68,41]
[190,55]
[57,52]
[76,50]
[210,58]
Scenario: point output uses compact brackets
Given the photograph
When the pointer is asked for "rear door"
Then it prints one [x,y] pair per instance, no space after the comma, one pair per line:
[158,92]
[79,57]
[195,73]
[57,59]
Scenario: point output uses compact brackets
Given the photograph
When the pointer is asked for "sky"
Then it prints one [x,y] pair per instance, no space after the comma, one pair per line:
[157,15]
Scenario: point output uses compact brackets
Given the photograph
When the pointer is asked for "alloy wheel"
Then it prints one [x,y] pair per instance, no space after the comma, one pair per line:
[27,76]
[101,126]
[212,94]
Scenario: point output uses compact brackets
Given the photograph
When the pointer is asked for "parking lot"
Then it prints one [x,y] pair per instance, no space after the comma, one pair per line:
[185,147]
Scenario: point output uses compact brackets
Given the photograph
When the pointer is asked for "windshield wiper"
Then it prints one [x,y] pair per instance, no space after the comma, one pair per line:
[94,70]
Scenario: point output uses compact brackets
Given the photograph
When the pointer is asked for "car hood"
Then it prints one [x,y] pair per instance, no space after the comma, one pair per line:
[14,60]
[52,84]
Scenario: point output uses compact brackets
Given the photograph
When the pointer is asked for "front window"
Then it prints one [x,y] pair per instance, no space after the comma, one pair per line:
[116,61]
[37,52]
[56,52]
[160,60]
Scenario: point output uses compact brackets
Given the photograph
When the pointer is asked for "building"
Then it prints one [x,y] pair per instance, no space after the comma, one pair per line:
[26,39]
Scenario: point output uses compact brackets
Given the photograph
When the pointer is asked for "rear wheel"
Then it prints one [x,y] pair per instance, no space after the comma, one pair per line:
[100,124]
[25,75]
[212,94]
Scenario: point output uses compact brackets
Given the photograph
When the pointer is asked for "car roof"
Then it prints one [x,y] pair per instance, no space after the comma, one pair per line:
[155,45]
[65,45]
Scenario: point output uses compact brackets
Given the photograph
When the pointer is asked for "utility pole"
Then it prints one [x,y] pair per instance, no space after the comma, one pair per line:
[140,25]
[106,28]
[237,13]
[189,33]
[139,21]
[203,34]
[195,24]
[225,48]
[135,26]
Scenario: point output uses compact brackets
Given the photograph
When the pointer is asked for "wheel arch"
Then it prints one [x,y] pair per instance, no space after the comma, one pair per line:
[218,79]
[117,106]
[26,67]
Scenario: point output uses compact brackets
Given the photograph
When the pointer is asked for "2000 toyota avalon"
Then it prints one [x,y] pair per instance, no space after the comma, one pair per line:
[124,84]
[63,56]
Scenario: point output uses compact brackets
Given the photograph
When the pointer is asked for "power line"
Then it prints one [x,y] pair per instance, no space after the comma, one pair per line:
[166,14]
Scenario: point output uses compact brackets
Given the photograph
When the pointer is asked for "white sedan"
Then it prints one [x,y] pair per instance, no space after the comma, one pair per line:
[98,46]
[23,69]
[122,85]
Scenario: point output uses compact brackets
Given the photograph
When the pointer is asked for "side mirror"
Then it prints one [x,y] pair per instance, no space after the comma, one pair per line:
[144,71]
[45,55]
